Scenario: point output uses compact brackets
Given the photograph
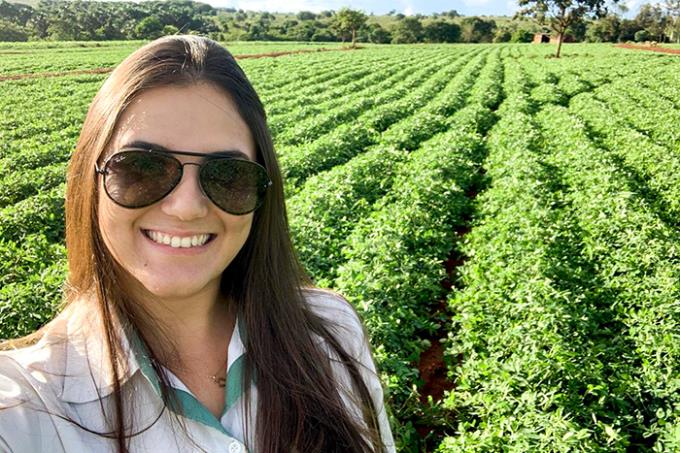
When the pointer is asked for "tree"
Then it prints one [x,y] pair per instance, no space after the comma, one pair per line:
[673,26]
[378,35]
[149,28]
[347,20]
[606,29]
[641,36]
[561,14]
[306,15]
[408,30]
[522,35]
[654,20]
[627,30]
[441,31]
[170,30]
[475,29]
[12,32]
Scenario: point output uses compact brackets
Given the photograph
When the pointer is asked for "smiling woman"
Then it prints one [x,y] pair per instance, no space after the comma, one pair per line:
[188,322]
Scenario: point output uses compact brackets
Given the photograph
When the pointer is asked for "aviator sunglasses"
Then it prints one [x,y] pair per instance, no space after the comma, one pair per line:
[137,177]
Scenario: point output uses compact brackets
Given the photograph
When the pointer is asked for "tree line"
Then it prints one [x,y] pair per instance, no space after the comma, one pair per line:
[98,20]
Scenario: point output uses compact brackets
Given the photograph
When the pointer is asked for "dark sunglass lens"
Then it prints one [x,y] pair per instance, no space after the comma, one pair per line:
[135,179]
[236,186]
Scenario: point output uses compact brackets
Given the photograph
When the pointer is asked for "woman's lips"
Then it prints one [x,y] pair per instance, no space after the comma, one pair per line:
[193,250]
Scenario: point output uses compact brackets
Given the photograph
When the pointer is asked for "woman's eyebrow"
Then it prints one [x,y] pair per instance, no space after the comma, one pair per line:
[148,145]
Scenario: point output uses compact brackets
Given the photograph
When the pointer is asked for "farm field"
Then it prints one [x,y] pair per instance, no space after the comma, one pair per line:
[54,56]
[505,223]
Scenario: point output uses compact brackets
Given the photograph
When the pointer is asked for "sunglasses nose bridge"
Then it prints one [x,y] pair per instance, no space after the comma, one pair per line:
[198,173]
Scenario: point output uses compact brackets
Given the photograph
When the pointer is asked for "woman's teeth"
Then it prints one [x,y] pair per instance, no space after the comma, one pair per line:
[176,241]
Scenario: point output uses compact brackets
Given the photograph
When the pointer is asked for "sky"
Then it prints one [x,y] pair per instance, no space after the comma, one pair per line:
[407,7]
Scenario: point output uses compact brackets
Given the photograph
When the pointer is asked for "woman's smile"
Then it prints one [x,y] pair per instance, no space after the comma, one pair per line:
[179,244]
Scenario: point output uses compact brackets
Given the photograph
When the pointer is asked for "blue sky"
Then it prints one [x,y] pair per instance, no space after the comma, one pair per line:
[408,7]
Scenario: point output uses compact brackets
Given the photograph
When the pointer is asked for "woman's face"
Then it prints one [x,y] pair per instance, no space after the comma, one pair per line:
[198,118]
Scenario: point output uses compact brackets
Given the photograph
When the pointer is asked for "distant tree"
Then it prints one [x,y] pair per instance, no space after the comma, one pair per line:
[654,19]
[606,29]
[408,30]
[502,34]
[561,14]
[322,33]
[452,13]
[12,32]
[399,16]
[348,21]
[327,13]
[303,31]
[522,35]
[392,12]
[254,32]
[577,31]
[306,15]
[39,24]
[673,26]
[169,30]
[378,35]
[149,28]
[628,29]
[476,29]
[440,31]
[642,36]
[15,13]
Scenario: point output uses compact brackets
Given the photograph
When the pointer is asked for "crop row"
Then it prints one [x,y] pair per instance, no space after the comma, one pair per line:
[635,255]
[350,138]
[392,257]
[527,329]
[345,99]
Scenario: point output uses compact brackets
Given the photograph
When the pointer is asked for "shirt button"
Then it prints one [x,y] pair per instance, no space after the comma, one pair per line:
[236,447]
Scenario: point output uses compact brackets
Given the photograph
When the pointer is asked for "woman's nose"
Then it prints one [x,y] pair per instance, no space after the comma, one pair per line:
[187,201]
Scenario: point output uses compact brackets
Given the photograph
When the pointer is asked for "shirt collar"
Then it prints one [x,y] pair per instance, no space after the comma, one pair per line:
[87,376]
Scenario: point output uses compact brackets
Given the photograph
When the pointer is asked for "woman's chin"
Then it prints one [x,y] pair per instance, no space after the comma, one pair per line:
[174,288]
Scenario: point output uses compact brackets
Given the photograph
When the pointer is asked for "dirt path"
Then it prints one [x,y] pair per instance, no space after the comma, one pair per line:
[36,75]
[649,48]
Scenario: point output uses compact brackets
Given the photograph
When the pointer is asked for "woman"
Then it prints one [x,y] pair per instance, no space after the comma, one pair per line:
[188,322]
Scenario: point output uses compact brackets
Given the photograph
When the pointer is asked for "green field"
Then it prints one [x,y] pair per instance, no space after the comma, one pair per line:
[506,224]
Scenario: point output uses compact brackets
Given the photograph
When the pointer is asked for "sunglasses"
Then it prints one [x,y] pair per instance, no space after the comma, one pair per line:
[136,178]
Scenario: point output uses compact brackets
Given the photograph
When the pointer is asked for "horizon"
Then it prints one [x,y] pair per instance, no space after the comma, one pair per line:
[488,8]
[406,7]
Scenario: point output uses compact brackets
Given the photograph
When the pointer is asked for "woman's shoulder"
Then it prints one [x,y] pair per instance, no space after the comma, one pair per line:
[27,399]
[333,307]
[341,318]
[32,368]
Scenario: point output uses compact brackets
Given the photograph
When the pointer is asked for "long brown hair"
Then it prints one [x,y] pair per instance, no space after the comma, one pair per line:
[299,407]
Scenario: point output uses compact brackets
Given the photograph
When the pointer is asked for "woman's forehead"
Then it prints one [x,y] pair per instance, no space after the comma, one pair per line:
[199,118]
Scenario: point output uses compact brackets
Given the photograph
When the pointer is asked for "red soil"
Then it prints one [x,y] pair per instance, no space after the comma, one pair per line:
[433,372]
[649,48]
[432,367]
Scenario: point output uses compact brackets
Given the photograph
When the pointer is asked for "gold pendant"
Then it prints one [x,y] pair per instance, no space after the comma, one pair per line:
[219,380]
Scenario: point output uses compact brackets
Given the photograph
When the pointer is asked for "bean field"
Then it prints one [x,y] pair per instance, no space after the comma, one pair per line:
[505,223]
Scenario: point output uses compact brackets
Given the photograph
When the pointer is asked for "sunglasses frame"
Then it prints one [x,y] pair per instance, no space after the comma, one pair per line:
[168,153]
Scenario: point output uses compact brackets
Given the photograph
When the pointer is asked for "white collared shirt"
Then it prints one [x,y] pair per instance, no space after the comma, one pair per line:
[66,375]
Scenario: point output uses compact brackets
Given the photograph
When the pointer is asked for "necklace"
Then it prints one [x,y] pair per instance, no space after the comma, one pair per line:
[220,380]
